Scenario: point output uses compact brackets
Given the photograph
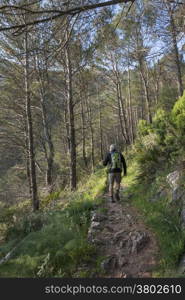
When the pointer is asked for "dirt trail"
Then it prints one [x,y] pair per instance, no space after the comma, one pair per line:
[128,246]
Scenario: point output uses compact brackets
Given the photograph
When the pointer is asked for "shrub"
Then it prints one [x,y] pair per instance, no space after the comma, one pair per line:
[178,117]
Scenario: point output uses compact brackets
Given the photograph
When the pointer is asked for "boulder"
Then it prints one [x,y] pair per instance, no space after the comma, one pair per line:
[173,179]
[178,194]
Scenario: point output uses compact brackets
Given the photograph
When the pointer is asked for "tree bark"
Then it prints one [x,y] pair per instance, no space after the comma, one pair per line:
[50,149]
[33,180]
[83,133]
[43,79]
[70,105]
[146,91]
[100,127]
[176,54]
[121,109]
[130,114]
[91,132]
[27,157]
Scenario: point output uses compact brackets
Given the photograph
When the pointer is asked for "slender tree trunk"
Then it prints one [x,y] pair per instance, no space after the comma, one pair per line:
[121,107]
[49,148]
[91,132]
[135,117]
[119,116]
[83,133]
[27,157]
[31,152]
[176,54]
[156,87]
[130,109]
[143,73]
[70,105]
[48,140]
[100,127]
[142,100]
[146,91]
[67,129]
[123,113]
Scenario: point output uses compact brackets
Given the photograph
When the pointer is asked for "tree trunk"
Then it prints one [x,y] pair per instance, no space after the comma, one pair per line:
[48,140]
[31,152]
[100,127]
[67,129]
[49,148]
[91,132]
[27,158]
[70,105]
[83,133]
[176,53]
[130,114]
[146,91]
[121,108]
[121,113]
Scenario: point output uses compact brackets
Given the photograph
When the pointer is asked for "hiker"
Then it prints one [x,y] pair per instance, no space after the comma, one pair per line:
[115,160]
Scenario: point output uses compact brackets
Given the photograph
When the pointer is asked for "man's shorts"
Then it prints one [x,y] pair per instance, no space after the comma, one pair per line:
[115,177]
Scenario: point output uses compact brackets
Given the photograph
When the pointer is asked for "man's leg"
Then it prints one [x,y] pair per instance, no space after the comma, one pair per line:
[111,184]
[117,185]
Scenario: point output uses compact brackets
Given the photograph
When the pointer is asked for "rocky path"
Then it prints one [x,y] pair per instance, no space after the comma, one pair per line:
[128,247]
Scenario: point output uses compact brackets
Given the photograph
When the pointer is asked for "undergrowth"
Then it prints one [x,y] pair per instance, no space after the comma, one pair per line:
[53,242]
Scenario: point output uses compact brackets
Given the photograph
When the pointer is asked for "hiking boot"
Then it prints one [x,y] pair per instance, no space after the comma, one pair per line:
[112,199]
[117,196]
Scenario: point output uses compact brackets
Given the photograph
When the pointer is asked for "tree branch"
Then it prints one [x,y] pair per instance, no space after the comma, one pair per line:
[57,13]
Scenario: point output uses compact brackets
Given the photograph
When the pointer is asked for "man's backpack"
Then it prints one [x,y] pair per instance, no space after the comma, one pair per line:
[116,160]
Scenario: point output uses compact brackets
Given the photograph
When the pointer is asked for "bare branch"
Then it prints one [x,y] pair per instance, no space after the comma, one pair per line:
[57,13]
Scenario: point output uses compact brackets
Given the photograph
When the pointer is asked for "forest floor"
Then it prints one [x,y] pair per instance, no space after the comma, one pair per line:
[129,247]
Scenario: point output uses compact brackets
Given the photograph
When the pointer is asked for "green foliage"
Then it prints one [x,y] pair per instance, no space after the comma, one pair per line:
[143,128]
[178,114]
[160,121]
[161,143]
[53,242]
